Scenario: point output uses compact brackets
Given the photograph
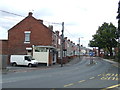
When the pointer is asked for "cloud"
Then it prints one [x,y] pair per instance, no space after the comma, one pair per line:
[3,33]
[81,17]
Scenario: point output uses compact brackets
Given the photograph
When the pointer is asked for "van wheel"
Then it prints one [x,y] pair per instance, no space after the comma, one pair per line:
[30,65]
[14,64]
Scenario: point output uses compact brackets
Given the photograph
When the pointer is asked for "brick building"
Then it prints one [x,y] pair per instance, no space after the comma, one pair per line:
[3,47]
[31,36]
[3,53]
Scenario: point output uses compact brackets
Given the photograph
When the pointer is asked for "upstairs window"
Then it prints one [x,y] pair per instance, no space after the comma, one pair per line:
[27,36]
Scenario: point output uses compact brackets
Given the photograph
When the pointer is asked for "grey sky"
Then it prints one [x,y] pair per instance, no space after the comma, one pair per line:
[82,17]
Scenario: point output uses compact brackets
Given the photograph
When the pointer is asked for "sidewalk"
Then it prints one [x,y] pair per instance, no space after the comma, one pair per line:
[116,64]
[11,69]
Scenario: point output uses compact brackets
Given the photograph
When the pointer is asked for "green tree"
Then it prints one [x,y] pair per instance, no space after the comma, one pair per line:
[105,37]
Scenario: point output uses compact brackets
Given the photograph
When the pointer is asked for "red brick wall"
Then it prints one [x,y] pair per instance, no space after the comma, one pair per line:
[3,47]
[40,35]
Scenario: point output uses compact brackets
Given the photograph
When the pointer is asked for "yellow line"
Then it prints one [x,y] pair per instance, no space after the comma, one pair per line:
[81,81]
[99,75]
[111,87]
[92,78]
[69,85]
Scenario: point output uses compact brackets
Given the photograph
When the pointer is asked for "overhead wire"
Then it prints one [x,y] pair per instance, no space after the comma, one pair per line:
[11,13]
[69,33]
[54,23]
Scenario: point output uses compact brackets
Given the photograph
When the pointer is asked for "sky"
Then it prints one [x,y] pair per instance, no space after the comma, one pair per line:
[81,17]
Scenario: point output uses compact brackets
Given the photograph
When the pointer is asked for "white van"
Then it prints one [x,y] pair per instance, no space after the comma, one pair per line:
[23,60]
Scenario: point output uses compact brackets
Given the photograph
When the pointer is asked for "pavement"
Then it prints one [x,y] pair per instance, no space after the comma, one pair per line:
[116,64]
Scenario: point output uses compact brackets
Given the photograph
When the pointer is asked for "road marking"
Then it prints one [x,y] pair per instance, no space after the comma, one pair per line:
[81,81]
[103,78]
[92,78]
[69,85]
[109,78]
[116,75]
[112,75]
[108,74]
[113,78]
[99,75]
[111,87]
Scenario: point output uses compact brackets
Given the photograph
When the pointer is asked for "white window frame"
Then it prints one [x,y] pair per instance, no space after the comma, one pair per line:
[27,32]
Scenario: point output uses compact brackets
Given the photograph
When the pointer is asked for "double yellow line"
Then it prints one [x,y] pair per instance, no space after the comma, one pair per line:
[111,87]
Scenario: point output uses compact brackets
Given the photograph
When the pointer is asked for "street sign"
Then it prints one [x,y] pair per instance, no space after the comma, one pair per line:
[91,53]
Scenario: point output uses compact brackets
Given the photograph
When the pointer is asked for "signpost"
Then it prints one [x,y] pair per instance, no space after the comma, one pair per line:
[91,57]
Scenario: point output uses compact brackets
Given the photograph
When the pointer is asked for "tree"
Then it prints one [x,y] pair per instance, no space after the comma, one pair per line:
[105,37]
[118,31]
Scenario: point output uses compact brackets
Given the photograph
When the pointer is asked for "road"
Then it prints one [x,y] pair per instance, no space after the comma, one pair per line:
[99,75]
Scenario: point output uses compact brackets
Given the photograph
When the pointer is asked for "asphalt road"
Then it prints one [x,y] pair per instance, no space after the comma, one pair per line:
[100,75]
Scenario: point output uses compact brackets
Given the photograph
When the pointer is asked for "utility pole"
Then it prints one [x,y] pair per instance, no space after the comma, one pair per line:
[79,48]
[62,44]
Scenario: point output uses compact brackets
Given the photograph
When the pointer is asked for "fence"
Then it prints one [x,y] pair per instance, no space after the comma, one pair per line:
[3,61]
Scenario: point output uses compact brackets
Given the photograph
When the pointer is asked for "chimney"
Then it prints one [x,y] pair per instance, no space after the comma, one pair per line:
[41,21]
[66,38]
[69,40]
[57,32]
[30,14]
[51,27]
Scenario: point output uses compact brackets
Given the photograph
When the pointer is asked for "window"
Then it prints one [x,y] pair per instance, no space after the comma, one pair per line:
[38,49]
[27,36]
[26,58]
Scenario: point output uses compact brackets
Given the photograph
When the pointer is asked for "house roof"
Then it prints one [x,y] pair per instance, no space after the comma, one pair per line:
[37,20]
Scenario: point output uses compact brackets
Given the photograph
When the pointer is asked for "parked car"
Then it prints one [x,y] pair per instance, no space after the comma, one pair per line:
[26,60]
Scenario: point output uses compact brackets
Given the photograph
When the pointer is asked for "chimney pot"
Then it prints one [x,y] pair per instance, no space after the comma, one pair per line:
[30,14]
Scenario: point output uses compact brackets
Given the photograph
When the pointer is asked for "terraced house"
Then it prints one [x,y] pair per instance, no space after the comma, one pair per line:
[30,36]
